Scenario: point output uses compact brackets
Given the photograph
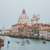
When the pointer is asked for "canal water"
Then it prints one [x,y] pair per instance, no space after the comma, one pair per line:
[0,32]
[35,44]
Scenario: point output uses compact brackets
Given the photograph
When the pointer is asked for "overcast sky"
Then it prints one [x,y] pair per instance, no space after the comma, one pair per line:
[10,10]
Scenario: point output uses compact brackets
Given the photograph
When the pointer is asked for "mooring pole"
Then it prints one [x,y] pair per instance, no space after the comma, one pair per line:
[0,46]
[7,45]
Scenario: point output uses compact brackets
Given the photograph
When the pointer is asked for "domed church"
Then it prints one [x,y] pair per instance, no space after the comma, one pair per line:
[24,19]
[35,19]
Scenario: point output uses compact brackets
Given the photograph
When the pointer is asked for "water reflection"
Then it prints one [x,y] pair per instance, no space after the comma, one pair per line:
[35,44]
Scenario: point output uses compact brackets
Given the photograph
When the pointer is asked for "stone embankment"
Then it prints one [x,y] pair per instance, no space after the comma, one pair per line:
[20,36]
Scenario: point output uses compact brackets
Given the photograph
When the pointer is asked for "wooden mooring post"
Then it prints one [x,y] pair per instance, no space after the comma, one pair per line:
[0,46]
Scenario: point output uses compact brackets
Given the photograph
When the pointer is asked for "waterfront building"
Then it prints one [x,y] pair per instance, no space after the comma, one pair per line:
[26,30]
[4,31]
[30,31]
[48,36]
[43,27]
[43,34]
[36,30]
[16,29]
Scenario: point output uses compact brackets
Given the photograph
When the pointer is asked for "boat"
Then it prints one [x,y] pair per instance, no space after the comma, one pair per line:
[23,44]
[44,42]
[8,42]
[28,41]
[23,41]
[17,42]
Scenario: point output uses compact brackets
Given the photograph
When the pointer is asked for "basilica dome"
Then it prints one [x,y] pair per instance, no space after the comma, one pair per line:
[33,18]
[23,18]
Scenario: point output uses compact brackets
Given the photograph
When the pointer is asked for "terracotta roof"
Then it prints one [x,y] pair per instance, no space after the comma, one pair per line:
[20,26]
[16,24]
[30,26]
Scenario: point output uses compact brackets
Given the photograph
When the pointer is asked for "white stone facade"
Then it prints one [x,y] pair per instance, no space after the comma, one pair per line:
[48,36]
[5,31]
[43,34]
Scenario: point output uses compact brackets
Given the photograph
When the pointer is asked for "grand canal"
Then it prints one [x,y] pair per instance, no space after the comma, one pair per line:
[35,44]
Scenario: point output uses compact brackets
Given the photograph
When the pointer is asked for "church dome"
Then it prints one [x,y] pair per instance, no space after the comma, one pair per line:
[23,16]
[33,18]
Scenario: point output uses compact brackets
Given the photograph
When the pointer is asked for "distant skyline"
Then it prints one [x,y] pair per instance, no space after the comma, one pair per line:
[10,10]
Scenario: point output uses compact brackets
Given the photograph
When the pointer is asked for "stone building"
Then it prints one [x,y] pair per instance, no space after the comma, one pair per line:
[30,31]
[4,31]
[16,29]
[43,34]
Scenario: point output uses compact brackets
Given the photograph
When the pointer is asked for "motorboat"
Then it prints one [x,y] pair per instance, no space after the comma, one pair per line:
[44,42]
[8,42]
[23,44]
[28,41]
[23,41]
[18,42]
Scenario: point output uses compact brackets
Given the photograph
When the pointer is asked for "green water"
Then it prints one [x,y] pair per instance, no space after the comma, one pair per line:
[35,44]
